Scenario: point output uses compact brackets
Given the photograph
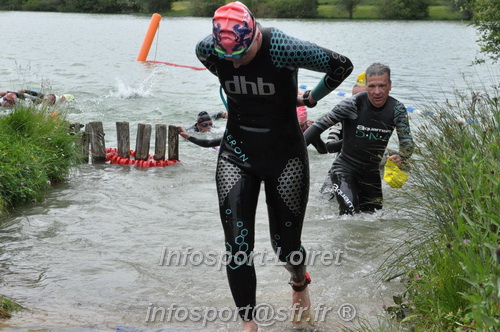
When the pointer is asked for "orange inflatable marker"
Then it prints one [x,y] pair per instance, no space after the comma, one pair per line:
[150,35]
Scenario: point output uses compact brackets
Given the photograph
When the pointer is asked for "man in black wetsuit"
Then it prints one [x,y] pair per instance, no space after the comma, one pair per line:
[257,68]
[368,120]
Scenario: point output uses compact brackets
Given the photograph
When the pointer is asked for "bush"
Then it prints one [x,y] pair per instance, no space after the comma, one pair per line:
[36,151]
[294,8]
[205,8]
[404,9]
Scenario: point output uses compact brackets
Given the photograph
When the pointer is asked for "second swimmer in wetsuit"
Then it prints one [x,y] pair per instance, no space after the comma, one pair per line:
[368,120]
[257,68]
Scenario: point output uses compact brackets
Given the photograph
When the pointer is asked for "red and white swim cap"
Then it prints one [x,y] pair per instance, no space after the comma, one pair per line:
[234,29]
[9,99]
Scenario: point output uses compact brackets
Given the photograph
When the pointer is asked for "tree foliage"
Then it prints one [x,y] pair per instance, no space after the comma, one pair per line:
[294,8]
[86,6]
[205,8]
[261,8]
[349,6]
[460,6]
[486,19]
[156,6]
[404,9]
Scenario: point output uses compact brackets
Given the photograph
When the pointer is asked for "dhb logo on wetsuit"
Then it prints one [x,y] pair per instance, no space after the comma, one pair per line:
[239,85]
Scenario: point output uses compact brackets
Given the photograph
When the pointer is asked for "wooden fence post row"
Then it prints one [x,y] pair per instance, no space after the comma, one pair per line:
[94,137]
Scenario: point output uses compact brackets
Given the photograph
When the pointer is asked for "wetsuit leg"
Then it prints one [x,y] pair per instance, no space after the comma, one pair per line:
[286,198]
[345,187]
[370,193]
[238,195]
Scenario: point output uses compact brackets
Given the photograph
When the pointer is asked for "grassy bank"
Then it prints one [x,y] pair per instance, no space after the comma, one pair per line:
[7,307]
[367,10]
[370,12]
[36,151]
[452,256]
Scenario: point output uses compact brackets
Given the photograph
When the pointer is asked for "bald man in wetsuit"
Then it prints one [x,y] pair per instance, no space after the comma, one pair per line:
[368,120]
[263,143]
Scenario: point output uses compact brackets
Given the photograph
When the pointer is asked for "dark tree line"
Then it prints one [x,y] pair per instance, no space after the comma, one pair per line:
[262,8]
[88,6]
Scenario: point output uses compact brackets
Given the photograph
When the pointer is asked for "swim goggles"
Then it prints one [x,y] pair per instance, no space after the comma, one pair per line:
[3,99]
[236,55]
[206,124]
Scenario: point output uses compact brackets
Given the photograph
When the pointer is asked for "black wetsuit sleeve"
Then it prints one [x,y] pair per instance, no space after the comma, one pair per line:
[312,135]
[335,146]
[204,49]
[406,144]
[346,109]
[33,93]
[206,143]
[217,116]
[297,53]
[320,146]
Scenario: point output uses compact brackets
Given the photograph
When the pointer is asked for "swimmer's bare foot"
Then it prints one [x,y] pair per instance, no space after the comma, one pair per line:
[301,307]
[250,326]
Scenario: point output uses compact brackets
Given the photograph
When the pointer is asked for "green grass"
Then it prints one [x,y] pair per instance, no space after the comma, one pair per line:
[179,8]
[7,307]
[36,151]
[443,13]
[333,12]
[370,12]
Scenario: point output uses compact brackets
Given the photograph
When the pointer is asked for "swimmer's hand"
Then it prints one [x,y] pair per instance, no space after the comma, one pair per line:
[182,132]
[396,159]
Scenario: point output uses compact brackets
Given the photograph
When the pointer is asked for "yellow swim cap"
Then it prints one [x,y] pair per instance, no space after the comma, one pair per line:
[361,79]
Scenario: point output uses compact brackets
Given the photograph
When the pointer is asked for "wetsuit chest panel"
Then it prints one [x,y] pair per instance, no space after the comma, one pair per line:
[260,95]
[366,137]
[262,132]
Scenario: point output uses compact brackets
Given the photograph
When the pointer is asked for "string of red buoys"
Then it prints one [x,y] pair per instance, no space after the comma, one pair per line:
[113,158]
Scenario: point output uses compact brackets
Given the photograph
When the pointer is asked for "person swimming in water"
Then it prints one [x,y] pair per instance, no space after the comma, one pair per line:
[9,98]
[258,67]
[48,99]
[204,121]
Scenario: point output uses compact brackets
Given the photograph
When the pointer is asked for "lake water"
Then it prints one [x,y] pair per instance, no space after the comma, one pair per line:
[89,255]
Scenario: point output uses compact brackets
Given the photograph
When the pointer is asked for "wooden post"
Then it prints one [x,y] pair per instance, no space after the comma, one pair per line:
[97,146]
[142,142]
[173,143]
[123,134]
[74,128]
[81,140]
[86,145]
[160,141]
